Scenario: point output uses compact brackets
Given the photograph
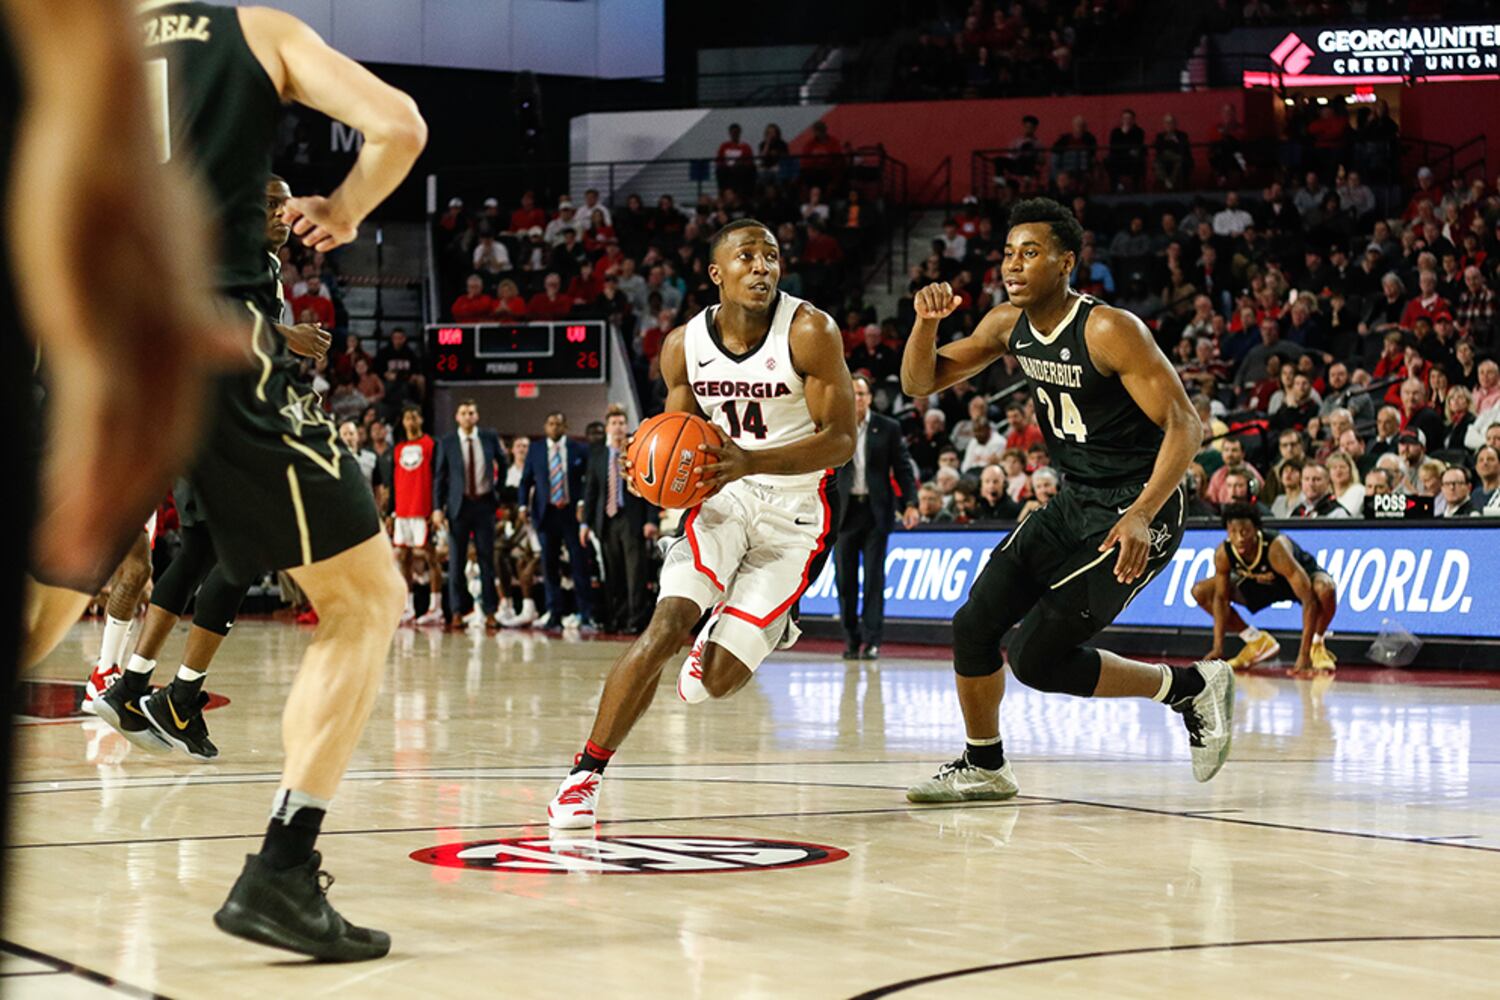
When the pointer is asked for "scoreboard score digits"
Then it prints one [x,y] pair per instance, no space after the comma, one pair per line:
[502,353]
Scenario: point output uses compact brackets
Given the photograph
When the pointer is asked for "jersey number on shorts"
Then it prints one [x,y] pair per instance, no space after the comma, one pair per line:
[158,98]
[1072,420]
[751,423]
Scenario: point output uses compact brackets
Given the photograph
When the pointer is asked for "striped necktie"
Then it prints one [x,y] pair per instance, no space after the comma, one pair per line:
[612,507]
[559,494]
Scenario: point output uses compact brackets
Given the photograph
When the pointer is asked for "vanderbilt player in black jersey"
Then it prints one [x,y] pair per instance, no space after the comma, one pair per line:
[147,719]
[1257,567]
[1121,431]
[279,490]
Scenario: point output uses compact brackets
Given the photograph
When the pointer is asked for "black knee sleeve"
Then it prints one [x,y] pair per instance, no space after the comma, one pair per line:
[976,640]
[185,574]
[1045,655]
[218,602]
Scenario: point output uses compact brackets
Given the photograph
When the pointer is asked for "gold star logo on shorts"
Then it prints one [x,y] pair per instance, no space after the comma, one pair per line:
[300,409]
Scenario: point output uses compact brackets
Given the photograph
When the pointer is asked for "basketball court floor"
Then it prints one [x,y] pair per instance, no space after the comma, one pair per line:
[762,847]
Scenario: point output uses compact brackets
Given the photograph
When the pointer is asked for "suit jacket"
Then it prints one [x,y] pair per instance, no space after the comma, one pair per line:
[596,497]
[885,454]
[448,469]
[536,481]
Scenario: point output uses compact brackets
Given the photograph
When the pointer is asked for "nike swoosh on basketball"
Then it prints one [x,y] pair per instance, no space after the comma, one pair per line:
[649,476]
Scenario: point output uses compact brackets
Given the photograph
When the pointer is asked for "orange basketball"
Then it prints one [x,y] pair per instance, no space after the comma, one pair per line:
[664,458]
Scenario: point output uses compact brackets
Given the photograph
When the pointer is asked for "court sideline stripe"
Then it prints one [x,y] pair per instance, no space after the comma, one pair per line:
[1012,804]
[63,966]
[906,984]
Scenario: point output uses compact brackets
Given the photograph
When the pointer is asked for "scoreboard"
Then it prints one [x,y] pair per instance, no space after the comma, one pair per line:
[501,353]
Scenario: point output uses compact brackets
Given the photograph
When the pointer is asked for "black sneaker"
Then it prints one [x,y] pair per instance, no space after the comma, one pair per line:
[190,735]
[288,908]
[120,708]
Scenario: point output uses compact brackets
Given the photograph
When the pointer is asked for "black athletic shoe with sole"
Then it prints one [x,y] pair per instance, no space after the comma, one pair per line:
[121,709]
[190,735]
[288,908]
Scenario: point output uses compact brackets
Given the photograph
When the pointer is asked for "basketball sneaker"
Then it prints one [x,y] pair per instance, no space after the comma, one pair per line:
[99,682]
[1322,658]
[120,707]
[1209,718]
[1257,650]
[288,908]
[190,735]
[960,781]
[690,678]
[432,616]
[572,808]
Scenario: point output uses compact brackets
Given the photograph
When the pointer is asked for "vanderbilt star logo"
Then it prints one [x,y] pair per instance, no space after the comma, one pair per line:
[1160,536]
[300,410]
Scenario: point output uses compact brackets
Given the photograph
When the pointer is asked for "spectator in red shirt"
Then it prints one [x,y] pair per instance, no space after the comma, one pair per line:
[550,303]
[821,248]
[735,163]
[1024,434]
[511,304]
[474,306]
[527,215]
[314,300]
[652,337]
[1427,191]
[1427,303]
[608,262]
[822,157]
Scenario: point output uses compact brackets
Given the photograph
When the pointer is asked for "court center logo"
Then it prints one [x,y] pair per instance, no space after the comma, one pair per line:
[651,855]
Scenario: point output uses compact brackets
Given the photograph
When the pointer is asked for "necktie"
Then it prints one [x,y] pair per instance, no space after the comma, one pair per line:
[471,466]
[612,506]
[559,495]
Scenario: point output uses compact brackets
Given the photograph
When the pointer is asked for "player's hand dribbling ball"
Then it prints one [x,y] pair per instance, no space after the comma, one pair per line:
[665,456]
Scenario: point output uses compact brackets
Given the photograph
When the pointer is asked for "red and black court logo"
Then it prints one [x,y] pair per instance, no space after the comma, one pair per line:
[629,855]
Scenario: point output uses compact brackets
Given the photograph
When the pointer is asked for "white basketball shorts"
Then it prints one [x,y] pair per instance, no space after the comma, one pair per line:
[749,547]
[409,533]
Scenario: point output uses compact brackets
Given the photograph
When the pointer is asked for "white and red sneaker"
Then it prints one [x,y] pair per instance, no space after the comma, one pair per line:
[690,678]
[98,683]
[572,808]
[432,616]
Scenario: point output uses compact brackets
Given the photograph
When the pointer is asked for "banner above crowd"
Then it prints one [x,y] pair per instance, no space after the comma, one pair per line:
[1363,54]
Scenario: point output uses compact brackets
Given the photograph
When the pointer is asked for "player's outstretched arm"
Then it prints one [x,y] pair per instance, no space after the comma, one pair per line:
[926,368]
[306,70]
[1283,562]
[818,353]
[1119,344]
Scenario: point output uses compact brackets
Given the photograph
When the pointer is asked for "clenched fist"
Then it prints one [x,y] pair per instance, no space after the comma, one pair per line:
[936,301]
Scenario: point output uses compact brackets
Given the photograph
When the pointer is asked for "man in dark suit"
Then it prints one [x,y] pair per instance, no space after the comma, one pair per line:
[625,524]
[464,477]
[552,490]
[864,486]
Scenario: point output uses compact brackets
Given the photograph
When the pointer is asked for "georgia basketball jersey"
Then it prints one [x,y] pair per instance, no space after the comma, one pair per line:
[756,398]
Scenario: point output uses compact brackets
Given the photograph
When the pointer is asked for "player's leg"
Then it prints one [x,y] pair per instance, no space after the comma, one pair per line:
[1325,592]
[119,706]
[176,710]
[1050,651]
[1259,645]
[403,563]
[130,580]
[1004,591]
[48,613]
[714,539]
[424,549]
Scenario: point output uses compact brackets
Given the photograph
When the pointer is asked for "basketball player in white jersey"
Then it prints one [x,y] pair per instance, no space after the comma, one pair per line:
[768,369]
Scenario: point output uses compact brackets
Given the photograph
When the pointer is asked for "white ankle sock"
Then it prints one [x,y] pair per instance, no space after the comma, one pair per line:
[116,634]
[1251,633]
[411,604]
[140,665]
[1166,684]
[1318,639]
[188,674]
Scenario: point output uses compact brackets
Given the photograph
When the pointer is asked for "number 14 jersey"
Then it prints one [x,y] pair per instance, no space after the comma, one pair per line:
[756,398]
[1095,432]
